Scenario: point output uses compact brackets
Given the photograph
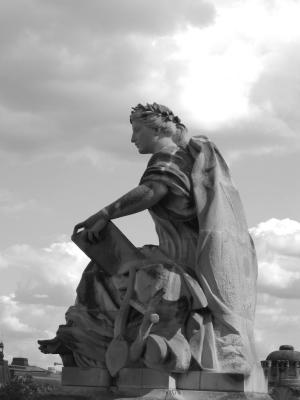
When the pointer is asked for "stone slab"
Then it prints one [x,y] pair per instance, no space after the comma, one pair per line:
[203,380]
[139,382]
[144,378]
[226,395]
[90,377]
[83,393]
[192,380]
[174,394]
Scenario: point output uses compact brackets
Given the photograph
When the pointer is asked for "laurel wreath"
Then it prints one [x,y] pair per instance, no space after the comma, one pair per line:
[158,110]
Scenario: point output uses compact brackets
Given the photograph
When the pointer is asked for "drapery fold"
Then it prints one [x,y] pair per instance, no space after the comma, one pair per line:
[201,225]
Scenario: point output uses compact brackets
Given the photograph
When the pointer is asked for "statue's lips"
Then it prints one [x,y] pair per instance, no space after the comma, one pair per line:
[122,291]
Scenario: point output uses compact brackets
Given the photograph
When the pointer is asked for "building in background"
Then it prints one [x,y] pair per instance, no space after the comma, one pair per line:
[21,369]
[282,368]
[4,371]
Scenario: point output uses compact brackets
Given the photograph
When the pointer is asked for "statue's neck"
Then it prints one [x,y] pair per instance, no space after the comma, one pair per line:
[164,143]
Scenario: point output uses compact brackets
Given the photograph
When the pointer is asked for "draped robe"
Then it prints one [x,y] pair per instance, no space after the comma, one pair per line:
[201,226]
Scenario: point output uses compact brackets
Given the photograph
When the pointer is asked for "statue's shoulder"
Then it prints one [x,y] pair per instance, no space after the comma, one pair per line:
[197,142]
[178,157]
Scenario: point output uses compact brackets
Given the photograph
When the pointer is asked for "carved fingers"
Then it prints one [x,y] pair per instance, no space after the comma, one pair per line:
[92,226]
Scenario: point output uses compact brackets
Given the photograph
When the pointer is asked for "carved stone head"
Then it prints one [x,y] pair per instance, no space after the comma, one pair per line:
[160,120]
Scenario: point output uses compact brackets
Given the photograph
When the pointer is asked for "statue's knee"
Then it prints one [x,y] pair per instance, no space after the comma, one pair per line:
[156,351]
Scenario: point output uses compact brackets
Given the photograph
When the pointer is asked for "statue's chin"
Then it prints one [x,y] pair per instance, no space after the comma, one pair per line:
[144,151]
[122,296]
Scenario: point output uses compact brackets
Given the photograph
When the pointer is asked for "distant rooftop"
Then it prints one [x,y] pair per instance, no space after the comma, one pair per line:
[20,361]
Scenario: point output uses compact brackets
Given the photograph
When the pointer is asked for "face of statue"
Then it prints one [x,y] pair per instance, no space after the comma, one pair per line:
[144,137]
[120,282]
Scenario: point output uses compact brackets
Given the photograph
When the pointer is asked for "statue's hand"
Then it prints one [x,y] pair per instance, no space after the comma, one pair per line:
[92,226]
[88,223]
[93,233]
[150,316]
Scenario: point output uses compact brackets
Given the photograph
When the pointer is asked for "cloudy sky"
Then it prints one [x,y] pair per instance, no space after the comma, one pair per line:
[70,70]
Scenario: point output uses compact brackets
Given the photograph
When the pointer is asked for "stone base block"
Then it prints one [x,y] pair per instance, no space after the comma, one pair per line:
[219,381]
[192,380]
[90,377]
[203,380]
[211,395]
[144,378]
[149,384]
[84,393]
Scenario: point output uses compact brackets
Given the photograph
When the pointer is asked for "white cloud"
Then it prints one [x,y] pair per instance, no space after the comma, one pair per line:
[278,243]
[240,82]
[285,227]
[13,323]
[277,237]
[38,286]
[23,324]
[10,204]
[42,276]
[277,314]
[83,67]
[277,323]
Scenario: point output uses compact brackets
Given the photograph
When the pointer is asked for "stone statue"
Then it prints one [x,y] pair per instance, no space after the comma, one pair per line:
[189,302]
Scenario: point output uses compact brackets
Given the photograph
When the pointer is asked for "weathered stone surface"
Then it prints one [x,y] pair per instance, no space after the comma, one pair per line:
[211,395]
[143,378]
[138,379]
[89,377]
[83,393]
[192,380]
[202,380]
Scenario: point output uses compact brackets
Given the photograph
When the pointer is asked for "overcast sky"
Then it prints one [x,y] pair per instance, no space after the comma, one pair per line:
[70,71]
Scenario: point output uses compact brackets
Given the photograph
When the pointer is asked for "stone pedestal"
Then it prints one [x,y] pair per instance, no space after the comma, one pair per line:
[144,378]
[203,380]
[144,383]
[87,377]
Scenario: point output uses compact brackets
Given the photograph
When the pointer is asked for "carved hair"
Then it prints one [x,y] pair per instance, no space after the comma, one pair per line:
[162,119]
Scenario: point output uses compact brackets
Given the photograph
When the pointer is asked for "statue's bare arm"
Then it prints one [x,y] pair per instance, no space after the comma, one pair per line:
[138,199]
